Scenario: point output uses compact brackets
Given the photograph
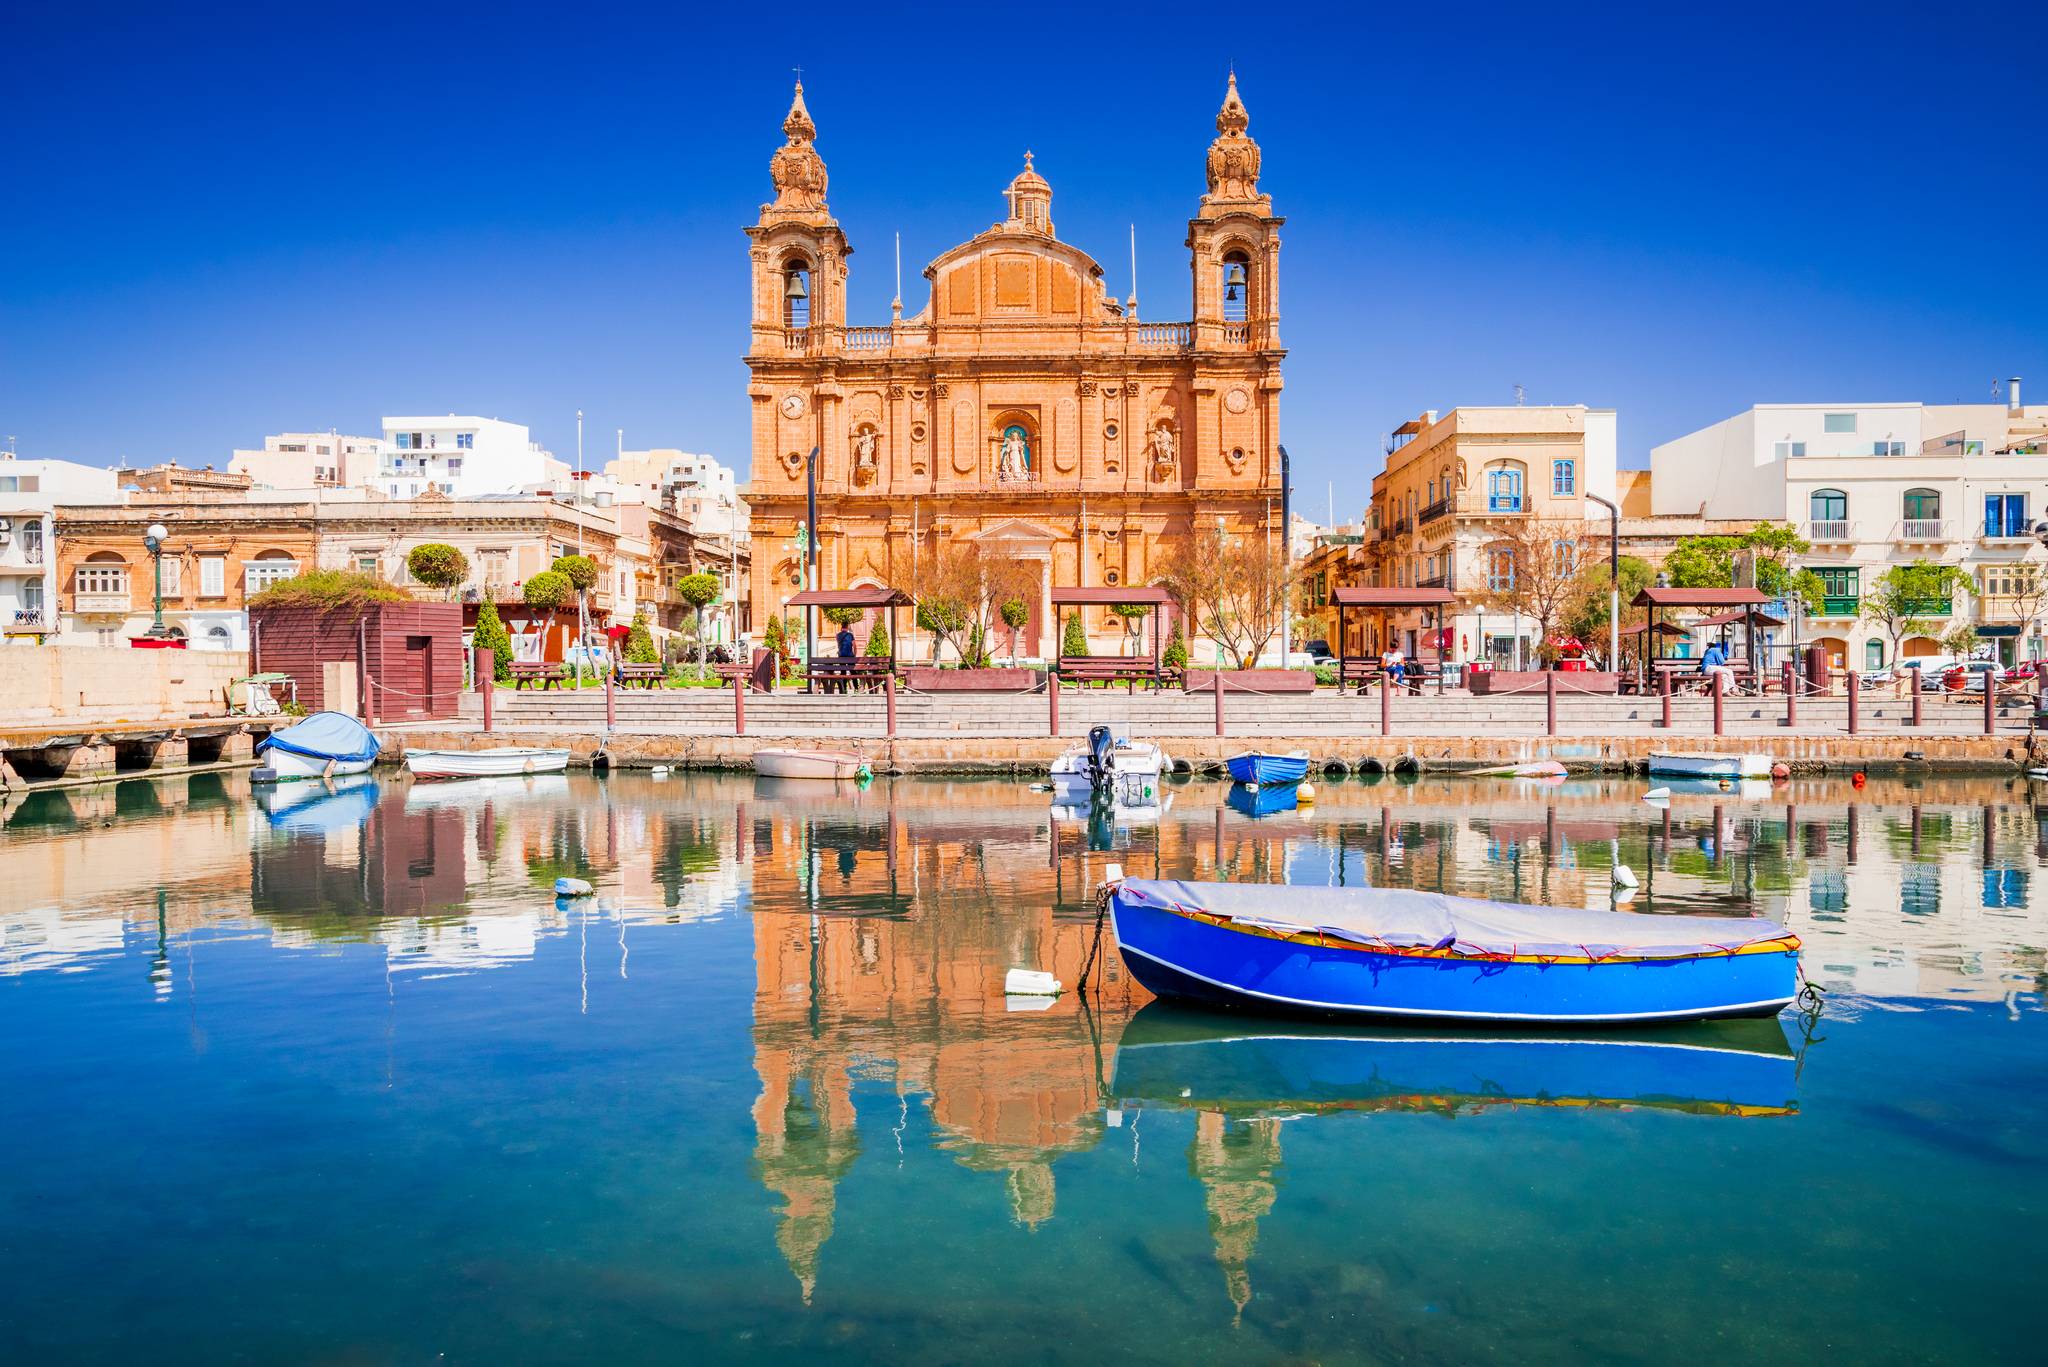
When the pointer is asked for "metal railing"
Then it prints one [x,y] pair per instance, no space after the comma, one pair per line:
[1923,529]
[28,617]
[2004,530]
[1504,503]
[1831,529]
[1441,508]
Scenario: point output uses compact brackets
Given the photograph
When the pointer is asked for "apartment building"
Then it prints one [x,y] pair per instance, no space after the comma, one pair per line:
[462,457]
[1454,485]
[696,488]
[1876,485]
[30,491]
[311,460]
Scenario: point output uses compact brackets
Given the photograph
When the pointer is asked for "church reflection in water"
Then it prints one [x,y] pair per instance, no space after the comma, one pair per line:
[880,924]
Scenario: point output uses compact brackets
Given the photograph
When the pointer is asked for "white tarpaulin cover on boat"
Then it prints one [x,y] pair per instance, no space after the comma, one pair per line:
[1406,919]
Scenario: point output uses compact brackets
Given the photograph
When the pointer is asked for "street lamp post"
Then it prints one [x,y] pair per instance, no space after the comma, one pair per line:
[154,538]
[1613,581]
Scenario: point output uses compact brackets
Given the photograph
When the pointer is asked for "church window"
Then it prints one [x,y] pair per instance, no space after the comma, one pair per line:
[1112,578]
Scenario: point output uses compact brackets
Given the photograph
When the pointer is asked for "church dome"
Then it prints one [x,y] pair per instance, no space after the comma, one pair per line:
[1030,197]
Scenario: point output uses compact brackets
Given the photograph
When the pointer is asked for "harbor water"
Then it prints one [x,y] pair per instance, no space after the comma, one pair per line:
[327,1074]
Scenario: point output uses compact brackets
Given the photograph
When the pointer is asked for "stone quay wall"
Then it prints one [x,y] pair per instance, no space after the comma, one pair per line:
[88,685]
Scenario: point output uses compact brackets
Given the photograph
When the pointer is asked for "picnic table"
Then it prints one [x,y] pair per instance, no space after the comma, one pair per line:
[1112,669]
[844,674]
[541,674]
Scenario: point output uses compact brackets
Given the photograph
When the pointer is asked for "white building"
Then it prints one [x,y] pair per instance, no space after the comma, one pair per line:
[1876,485]
[696,488]
[29,491]
[462,457]
[311,460]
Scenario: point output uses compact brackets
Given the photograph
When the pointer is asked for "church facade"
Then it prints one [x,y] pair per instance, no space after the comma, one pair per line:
[1025,409]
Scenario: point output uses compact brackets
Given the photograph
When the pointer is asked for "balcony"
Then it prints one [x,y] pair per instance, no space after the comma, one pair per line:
[28,622]
[1923,530]
[2004,530]
[1932,607]
[1505,503]
[1833,531]
[1441,508]
[1394,530]
[796,341]
[1437,581]
[1237,334]
[101,604]
[1839,605]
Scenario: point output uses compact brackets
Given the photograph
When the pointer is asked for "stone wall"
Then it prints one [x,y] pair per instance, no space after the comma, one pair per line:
[66,684]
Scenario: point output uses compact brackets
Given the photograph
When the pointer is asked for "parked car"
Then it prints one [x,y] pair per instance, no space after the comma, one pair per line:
[1876,678]
[2024,672]
[1930,668]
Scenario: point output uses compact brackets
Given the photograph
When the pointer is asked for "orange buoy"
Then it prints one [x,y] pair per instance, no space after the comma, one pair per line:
[1857,778]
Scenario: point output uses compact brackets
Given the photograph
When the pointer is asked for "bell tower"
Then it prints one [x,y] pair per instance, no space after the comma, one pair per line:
[799,254]
[1234,239]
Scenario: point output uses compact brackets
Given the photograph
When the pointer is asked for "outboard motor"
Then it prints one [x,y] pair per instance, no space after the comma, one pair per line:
[1101,752]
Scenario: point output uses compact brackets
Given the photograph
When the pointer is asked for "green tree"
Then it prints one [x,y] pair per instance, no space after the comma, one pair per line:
[700,591]
[581,572]
[491,635]
[1905,599]
[842,617]
[977,648]
[1586,617]
[1015,616]
[1133,616]
[1960,639]
[329,591]
[640,648]
[437,565]
[878,641]
[1708,562]
[1074,643]
[548,592]
[1176,656]
[772,641]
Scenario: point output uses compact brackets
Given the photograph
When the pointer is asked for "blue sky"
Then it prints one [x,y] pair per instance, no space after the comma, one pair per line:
[222,222]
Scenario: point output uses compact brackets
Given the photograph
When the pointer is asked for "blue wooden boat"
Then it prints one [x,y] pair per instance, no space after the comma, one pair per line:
[1262,801]
[1184,1058]
[1396,952]
[1255,766]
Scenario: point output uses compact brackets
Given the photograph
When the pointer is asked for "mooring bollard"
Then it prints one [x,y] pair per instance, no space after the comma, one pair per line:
[1991,702]
[1720,692]
[1217,678]
[1549,702]
[889,692]
[1791,696]
[611,704]
[1917,697]
[1664,686]
[1386,706]
[484,662]
[1052,693]
[1855,682]
[739,704]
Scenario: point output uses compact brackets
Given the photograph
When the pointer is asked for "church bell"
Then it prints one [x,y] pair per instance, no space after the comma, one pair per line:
[1233,279]
[797,290]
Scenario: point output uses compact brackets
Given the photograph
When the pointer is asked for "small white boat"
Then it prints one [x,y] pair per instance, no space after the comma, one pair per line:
[777,762]
[324,745]
[1537,768]
[499,761]
[1124,770]
[1703,764]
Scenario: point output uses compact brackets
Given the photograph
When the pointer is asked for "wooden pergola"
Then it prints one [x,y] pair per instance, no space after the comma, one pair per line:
[865,598]
[1387,601]
[1656,598]
[1155,598]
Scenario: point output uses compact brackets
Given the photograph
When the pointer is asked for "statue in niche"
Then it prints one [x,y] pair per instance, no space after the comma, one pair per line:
[1165,451]
[1013,458]
[865,446]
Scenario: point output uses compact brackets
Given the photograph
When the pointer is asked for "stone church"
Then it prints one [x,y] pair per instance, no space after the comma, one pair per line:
[1024,408]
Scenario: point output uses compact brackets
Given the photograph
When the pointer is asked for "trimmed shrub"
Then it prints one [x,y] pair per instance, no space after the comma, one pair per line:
[329,590]
[1075,641]
[437,565]
[491,635]
[640,648]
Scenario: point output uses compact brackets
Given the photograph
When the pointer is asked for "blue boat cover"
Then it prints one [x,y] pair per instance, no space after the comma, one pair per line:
[1405,919]
[324,735]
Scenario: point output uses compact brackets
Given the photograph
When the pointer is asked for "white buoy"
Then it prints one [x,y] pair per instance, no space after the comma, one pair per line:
[1657,795]
[1623,896]
[1305,793]
[1029,982]
[572,887]
[1624,876]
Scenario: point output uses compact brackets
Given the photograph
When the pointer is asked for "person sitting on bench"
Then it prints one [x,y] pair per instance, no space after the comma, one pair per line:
[1715,661]
[1392,665]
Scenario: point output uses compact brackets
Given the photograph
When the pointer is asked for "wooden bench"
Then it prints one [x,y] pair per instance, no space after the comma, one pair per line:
[645,675]
[1359,670]
[543,676]
[842,675]
[1686,676]
[1111,669]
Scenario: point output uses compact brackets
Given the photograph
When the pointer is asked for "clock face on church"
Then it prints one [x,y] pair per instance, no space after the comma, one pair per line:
[792,405]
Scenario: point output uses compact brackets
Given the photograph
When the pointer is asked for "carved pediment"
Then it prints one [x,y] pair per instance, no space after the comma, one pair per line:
[1014,531]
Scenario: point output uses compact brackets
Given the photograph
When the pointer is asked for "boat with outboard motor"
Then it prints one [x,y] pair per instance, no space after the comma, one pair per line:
[498,761]
[324,745]
[1400,952]
[1112,766]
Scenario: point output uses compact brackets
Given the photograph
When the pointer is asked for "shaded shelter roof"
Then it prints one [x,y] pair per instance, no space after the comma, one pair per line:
[1360,597]
[1660,597]
[1662,629]
[869,597]
[1729,619]
[1086,597]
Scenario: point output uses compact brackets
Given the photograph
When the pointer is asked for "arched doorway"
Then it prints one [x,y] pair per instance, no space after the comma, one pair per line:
[1837,651]
[1919,648]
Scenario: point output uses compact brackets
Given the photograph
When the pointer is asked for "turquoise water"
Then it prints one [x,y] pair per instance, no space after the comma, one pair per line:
[333,1078]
